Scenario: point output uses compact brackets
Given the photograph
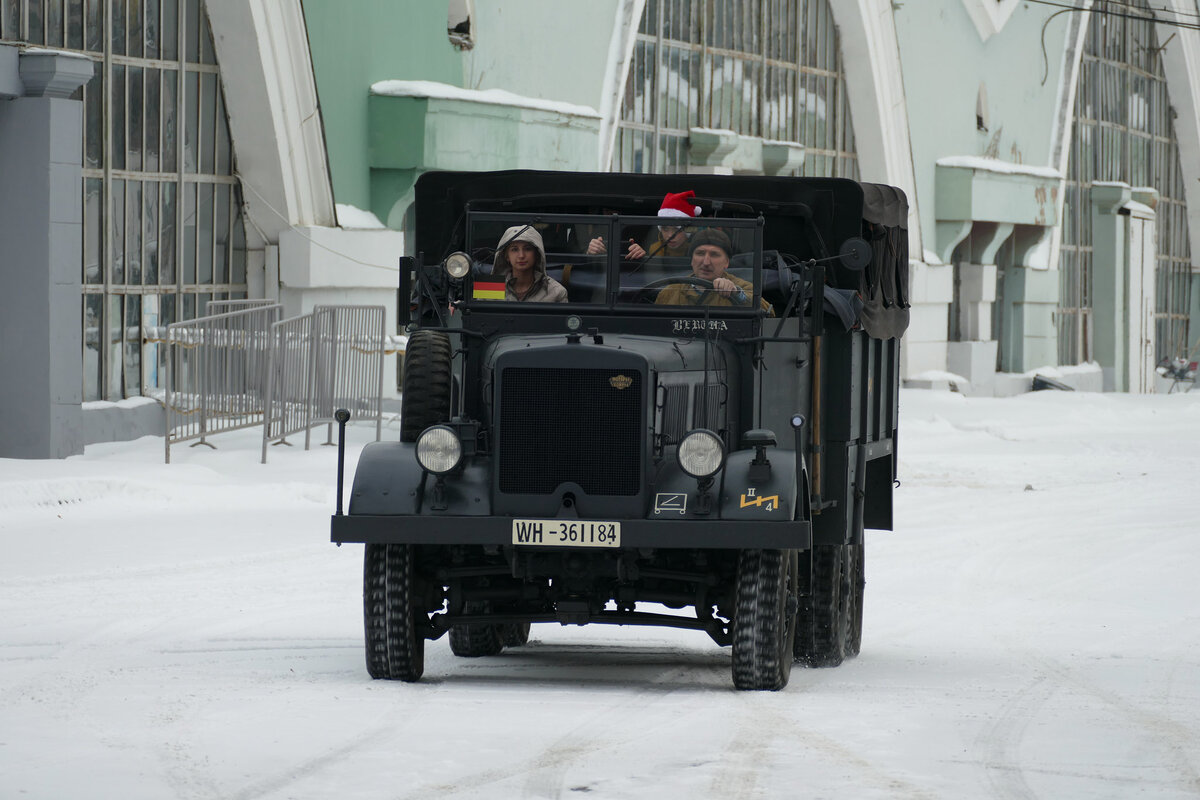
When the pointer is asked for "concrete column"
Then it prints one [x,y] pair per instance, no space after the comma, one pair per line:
[1108,281]
[974,355]
[41,225]
[1029,332]
[931,288]
[1029,335]
[1120,295]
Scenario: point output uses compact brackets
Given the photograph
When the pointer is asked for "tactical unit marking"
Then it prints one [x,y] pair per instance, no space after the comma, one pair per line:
[750,498]
[676,502]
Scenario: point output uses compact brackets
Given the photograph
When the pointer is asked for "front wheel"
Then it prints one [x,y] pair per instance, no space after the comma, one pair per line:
[764,622]
[393,618]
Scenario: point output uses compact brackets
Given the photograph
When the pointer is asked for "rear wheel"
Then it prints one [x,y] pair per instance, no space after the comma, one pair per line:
[476,639]
[856,580]
[516,634]
[764,619]
[393,618]
[425,400]
[822,624]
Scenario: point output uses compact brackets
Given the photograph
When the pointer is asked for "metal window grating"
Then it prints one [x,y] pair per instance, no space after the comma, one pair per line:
[768,68]
[1123,131]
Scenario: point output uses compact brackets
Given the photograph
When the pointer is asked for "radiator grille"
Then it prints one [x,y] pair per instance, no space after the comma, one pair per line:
[574,425]
[674,413]
[707,407]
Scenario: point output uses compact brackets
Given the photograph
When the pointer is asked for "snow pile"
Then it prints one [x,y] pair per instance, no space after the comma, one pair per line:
[352,218]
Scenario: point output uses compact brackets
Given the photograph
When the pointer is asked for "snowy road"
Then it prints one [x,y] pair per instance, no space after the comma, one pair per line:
[1032,631]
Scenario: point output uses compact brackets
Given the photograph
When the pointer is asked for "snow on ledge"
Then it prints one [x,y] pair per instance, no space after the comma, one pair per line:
[719,132]
[996,165]
[352,218]
[129,402]
[51,51]
[939,376]
[499,97]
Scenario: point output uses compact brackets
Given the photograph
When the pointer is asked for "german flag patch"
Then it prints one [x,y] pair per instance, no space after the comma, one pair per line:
[488,290]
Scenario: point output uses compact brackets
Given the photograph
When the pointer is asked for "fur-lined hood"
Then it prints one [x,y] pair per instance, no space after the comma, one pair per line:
[519,233]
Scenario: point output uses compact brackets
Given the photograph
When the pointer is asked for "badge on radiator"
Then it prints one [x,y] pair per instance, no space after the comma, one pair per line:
[620,381]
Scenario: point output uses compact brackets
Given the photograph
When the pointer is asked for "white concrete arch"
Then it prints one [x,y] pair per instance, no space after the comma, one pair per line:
[1181,63]
[274,119]
[875,88]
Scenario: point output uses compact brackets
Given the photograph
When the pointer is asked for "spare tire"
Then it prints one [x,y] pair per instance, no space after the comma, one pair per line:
[426,385]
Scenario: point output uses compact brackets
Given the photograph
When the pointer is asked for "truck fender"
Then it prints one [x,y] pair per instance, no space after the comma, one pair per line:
[773,499]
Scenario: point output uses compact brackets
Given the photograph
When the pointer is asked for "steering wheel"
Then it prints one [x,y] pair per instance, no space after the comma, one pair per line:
[643,294]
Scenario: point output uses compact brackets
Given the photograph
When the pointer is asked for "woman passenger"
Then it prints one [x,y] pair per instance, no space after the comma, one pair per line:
[521,261]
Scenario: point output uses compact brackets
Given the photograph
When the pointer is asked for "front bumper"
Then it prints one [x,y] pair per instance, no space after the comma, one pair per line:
[635,533]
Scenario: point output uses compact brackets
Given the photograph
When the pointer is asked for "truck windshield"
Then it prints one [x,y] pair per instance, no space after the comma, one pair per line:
[616,261]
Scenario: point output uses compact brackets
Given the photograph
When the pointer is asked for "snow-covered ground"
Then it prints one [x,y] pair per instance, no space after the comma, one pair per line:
[1032,630]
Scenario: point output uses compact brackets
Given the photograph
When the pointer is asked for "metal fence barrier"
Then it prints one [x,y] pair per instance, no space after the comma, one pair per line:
[216,373]
[289,384]
[223,306]
[332,358]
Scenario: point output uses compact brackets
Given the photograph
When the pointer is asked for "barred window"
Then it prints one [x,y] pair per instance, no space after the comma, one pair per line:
[162,228]
[766,68]
[1124,131]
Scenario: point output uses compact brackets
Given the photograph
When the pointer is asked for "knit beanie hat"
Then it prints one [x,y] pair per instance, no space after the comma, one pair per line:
[711,236]
[679,205]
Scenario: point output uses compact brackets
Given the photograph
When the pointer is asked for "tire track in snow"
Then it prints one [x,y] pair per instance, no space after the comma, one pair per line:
[1004,767]
[264,787]
[1173,738]
[544,772]
[748,754]
[1002,740]
[547,777]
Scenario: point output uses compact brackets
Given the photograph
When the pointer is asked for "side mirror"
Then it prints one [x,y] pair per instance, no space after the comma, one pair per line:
[855,253]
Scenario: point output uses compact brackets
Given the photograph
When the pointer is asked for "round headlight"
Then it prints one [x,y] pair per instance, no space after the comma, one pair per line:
[457,264]
[701,453]
[438,450]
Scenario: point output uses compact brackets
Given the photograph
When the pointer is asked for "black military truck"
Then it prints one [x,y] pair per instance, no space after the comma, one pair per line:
[656,450]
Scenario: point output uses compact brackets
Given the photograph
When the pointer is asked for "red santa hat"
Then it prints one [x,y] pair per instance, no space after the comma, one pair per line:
[679,205]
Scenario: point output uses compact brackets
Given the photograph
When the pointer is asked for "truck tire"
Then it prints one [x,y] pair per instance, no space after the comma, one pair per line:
[392,613]
[822,624]
[857,584]
[764,619]
[425,400]
[516,634]
[476,639]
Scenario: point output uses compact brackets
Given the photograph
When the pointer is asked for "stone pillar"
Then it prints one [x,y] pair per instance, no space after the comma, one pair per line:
[1029,334]
[1108,281]
[974,355]
[1029,331]
[41,225]
[1123,266]
[931,288]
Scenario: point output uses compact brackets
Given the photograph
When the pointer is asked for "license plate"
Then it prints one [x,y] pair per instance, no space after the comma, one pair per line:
[566,533]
